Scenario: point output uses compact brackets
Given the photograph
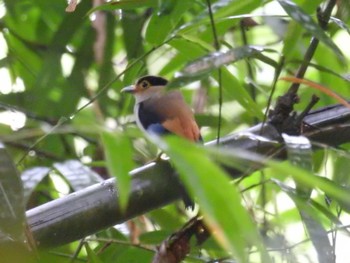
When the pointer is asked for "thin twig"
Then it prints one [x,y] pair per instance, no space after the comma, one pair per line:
[323,18]
[121,242]
[248,65]
[285,103]
[65,119]
[217,47]
[77,251]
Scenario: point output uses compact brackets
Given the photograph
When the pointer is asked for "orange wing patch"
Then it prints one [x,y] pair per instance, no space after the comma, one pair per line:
[185,127]
[176,115]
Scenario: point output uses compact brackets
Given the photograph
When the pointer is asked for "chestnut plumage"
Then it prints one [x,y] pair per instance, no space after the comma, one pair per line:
[160,112]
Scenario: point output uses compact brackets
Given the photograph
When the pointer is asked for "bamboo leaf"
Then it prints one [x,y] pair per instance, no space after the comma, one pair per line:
[124,4]
[220,202]
[93,257]
[215,60]
[31,178]
[164,21]
[78,175]
[12,219]
[341,24]
[118,152]
[305,20]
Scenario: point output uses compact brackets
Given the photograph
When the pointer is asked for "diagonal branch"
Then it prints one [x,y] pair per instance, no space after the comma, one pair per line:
[95,208]
[285,103]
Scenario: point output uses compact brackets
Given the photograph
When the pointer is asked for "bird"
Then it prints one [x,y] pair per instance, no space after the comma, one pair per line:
[160,112]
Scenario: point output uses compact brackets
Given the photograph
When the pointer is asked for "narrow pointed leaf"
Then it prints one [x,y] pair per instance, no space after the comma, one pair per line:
[93,257]
[124,4]
[78,175]
[215,60]
[312,222]
[299,151]
[31,178]
[119,158]
[220,202]
[301,17]
[162,23]
[336,192]
[341,24]
[12,219]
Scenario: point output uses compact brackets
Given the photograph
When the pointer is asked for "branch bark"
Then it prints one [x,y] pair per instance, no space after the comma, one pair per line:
[95,208]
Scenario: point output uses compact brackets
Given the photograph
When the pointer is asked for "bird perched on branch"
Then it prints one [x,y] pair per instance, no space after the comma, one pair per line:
[160,112]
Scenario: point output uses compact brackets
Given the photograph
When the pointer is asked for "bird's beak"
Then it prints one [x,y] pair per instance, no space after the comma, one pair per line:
[129,89]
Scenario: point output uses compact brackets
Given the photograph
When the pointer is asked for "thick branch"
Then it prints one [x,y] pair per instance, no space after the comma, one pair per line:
[285,103]
[95,208]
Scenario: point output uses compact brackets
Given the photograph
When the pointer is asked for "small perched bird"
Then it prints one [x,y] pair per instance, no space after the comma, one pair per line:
[160,112]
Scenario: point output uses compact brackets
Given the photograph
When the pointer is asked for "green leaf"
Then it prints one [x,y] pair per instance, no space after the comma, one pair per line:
[335,191]
[292,38]
[119,158]
[93,258]
[204,65]
[124,4]
[134,255]
[234,89]
[78,175]
[341,24]
[215,60]
[299,151]
[31,178]
[312,222]
[219,202]
[162,24]
[12,218]
[154,237]
[305,20]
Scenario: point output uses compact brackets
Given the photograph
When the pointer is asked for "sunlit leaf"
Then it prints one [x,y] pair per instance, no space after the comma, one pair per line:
[222,209]
[233,88]
[341,24]
[335,191]
[309,216]
[155,237]
[309,24]
[124,4]
[344,9]
[215,60]
[93,257]
[133,254]
[162,23]
[299,151]
[78,175]
[221,9]
[12,219]
[31,178]
[329,71]
[119,158]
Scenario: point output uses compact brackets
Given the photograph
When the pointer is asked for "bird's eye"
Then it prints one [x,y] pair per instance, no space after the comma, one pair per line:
[145,84]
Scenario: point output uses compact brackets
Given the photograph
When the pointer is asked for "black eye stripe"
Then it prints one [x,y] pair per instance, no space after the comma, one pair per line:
[152,81]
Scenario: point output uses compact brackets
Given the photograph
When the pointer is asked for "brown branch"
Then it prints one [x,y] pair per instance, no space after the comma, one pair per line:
[285,104]
[175,248]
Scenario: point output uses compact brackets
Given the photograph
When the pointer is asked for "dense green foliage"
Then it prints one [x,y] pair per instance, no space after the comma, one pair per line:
[60,100]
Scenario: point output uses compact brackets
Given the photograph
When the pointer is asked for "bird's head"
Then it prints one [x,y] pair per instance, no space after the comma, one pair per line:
[145,87]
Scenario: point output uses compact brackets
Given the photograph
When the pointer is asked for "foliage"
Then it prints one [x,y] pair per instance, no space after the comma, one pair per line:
[60,98]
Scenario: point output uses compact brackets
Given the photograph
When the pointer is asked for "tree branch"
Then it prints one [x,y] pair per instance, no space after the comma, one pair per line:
[95,208]
[285,103]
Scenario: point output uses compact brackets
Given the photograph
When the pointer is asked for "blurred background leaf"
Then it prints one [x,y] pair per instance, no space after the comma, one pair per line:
[53,63]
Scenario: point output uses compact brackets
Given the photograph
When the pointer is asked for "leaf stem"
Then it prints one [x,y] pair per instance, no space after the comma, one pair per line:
[217,47]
